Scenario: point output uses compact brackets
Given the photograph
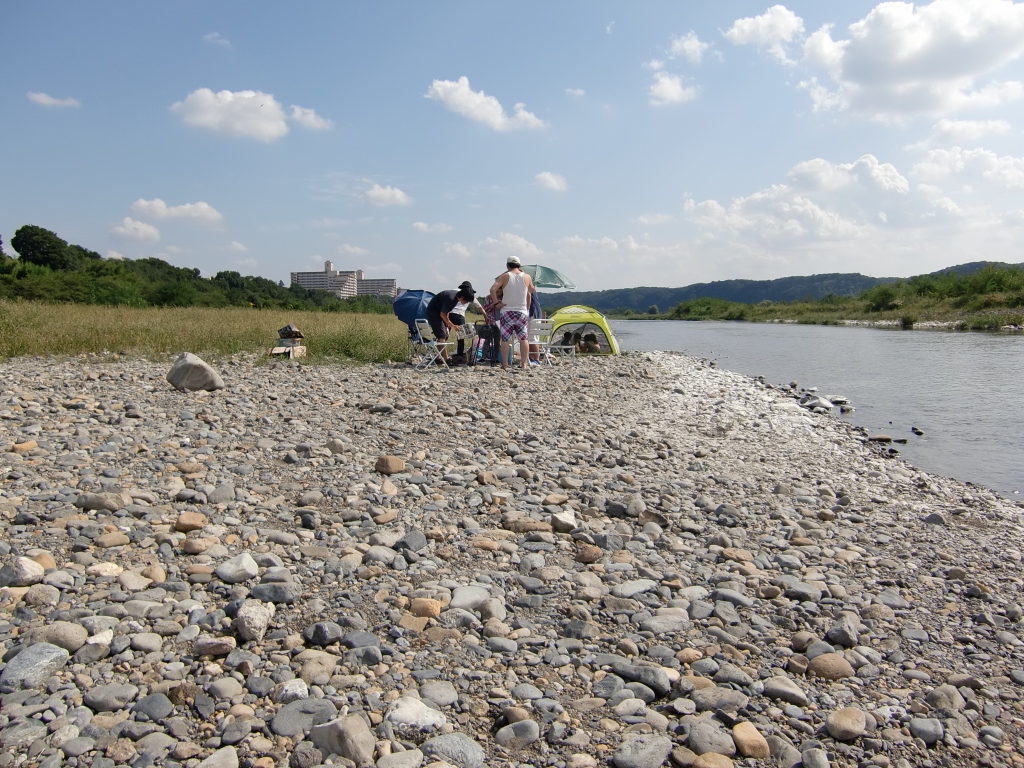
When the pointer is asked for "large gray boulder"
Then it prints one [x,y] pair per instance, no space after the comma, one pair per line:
[190,372]
[32,667]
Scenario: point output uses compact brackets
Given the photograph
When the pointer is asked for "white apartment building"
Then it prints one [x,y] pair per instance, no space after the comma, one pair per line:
[344,284]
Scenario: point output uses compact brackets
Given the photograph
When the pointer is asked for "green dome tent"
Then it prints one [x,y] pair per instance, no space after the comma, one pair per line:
[583,320]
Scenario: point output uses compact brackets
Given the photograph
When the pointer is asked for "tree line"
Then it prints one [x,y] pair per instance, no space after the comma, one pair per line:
[50,269]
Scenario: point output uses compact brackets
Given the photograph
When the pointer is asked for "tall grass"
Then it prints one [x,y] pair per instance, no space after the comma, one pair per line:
[35,328]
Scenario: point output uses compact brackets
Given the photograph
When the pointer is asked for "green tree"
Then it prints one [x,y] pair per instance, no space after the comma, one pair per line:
[653,309]
[80,256]
[41,246]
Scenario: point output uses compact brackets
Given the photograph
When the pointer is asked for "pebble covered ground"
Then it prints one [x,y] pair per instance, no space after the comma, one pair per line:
[632,562]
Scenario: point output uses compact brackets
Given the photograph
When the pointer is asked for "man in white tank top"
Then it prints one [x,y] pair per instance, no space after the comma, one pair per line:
[511,294]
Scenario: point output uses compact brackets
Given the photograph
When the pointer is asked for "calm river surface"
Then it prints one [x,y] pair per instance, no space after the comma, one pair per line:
[962,389]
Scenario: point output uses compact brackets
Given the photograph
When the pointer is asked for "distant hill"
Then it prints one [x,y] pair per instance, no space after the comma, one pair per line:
[745,291]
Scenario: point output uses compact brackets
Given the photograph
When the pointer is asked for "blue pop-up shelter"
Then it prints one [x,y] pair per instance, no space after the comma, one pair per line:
[410,307]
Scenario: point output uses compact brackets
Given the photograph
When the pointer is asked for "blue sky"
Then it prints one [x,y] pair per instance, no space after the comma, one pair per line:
[656,143]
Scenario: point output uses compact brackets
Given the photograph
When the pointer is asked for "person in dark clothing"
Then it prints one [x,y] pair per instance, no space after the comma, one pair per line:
[440,307]
[458,316]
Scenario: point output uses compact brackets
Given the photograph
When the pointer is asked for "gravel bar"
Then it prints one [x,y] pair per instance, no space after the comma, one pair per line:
[634,562]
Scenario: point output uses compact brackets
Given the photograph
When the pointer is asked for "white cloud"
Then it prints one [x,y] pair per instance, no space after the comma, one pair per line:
[690,47]
[130,229]
[115,256]
[608,29]
[158,209]
[236,247]
[385,196]
[864,215]
[820,174]
[308,118]
[422,226]
[648,219]
[958,131]
[669,89]
[773,30]
[578,93]
[249,262]
[553,181]
[352,250]
[903,60]
[458,97]
[216,38]
[457,250]
[46,100]
[971,167]
[508,244]
[252,114]
[820,203]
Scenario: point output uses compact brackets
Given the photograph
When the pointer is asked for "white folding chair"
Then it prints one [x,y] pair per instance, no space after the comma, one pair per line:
[563,351]
[539,334]
[432,348]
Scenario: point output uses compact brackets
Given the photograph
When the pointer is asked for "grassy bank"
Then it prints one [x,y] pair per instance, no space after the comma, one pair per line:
[34,328]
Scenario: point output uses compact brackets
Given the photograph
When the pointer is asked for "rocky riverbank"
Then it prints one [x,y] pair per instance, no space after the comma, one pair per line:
[633,561]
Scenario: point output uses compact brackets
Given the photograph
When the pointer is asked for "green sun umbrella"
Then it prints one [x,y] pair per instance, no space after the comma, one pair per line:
[546,277]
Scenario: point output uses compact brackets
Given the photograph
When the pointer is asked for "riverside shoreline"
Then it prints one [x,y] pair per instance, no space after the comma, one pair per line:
[633,561]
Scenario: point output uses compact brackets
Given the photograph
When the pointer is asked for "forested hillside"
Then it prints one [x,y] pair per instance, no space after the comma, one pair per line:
[806,288]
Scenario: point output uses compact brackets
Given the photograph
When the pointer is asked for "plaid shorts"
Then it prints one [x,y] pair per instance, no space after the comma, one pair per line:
[513,323]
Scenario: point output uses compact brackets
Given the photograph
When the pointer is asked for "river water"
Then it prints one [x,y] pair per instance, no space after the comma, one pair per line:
[963,390]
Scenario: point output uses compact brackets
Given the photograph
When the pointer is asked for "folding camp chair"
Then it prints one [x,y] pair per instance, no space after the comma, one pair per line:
[539,335]
[431,346]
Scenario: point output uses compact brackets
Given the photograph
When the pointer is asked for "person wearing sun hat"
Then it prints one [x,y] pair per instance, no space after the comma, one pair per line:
[511,294]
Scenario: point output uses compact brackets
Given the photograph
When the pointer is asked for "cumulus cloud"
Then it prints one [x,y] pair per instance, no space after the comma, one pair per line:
[971,167]
[385,196]
[507,244]
[690,47]
[352,250]
[669,89]
[114,255]
[236,247]
[772,31]
[46,100]
[825,216]
[252,114]
[158,209]
[217,39]
[308,118]
[960,131]
[457,250]
[578,93]
[130,229]
[820,202]
[553,181]
[422,226]
[648,219]
[457,96]
[903,60]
